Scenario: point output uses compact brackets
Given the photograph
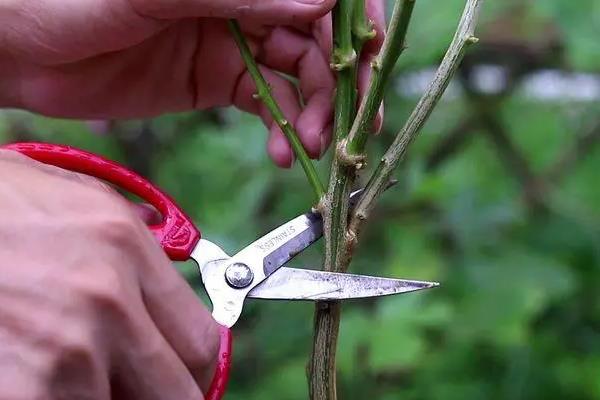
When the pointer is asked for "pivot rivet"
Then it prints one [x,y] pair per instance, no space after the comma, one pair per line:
[239,275]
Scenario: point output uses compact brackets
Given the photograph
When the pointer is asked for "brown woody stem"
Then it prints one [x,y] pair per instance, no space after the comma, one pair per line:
[378,181]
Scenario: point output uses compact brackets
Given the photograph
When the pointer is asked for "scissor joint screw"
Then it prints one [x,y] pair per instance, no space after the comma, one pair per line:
[239,275]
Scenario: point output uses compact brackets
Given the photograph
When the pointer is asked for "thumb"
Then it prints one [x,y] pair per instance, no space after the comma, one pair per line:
[265,11]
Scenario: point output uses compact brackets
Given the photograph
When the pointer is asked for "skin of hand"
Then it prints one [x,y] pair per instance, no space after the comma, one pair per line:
[108,59]
[90,306]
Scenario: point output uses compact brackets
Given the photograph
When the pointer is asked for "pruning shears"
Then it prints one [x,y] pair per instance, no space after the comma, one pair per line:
[257,271]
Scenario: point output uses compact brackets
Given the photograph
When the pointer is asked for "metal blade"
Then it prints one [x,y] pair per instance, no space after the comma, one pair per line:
[305,284]
[228,280]
[283,243]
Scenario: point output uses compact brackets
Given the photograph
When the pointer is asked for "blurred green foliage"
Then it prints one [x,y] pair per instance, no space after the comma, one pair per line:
[518,312]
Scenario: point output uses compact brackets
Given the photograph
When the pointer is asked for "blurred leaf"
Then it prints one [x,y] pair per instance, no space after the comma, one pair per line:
[503,293]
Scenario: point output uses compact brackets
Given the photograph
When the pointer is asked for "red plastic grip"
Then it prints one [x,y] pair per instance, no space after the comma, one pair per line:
[219,382]
[176,232]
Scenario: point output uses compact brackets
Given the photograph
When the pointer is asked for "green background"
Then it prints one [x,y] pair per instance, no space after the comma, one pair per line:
[518,312]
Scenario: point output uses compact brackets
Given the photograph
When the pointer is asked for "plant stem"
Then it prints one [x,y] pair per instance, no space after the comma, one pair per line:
[382,66]
[264,94]
[344,62]
[321,368]
[345,163]
[378,181]
[351,30]
[362,27]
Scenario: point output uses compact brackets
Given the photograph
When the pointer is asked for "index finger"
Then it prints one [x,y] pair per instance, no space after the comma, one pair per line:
[180,316]
[271,11]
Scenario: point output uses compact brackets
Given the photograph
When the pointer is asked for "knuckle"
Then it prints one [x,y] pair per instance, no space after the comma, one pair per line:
[104,291]
[74,349]
[124,237]
[116,226]
[75,358]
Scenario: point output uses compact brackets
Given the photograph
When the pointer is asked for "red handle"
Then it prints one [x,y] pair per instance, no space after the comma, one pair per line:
[219,382]
[176,233]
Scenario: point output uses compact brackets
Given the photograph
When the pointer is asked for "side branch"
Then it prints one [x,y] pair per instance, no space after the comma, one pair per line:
[382,66]
[264,94]
[351,30]
[378,181]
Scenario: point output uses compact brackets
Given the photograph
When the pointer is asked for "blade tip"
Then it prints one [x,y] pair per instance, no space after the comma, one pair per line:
[428,285]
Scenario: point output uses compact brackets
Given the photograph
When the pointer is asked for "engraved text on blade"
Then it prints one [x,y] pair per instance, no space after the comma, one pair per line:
[274,241]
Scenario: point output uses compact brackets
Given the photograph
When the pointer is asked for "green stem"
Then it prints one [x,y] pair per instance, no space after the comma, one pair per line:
[344,62]
[382,67]
[322,379]
[362,27]
[264,94]
[351,29]
[463,37]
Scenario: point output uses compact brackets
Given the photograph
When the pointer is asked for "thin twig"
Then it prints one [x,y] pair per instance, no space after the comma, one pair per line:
[264,94]
[378,181]
[382,66]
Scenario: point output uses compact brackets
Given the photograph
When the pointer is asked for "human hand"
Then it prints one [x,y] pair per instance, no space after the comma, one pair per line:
[102,59]
[90,306]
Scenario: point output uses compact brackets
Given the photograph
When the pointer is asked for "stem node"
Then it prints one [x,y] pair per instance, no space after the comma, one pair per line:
[345,158]
[350,242]
[361,215]
[343,61]
[320,207]
[364,35]
[376,65]
[472,39]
